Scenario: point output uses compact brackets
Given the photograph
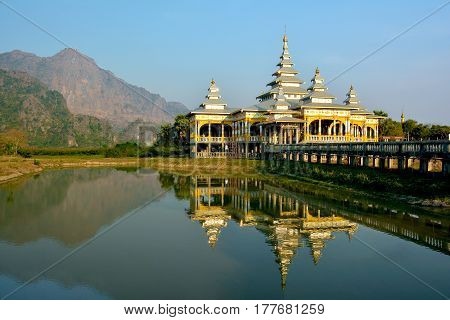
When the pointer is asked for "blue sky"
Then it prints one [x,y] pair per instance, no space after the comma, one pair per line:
[175,47]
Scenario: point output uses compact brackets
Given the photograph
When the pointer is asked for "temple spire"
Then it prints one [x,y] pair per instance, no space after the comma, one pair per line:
[352,98]
[317,82]
[213,98]
[285,44]
[286,77]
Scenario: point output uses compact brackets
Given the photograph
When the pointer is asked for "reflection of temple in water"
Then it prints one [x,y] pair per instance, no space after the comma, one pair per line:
[287,223]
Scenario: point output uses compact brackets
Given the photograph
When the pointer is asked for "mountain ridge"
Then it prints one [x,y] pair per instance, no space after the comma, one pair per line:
[91,90]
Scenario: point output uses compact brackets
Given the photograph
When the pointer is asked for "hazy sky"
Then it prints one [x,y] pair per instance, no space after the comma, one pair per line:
[175,47]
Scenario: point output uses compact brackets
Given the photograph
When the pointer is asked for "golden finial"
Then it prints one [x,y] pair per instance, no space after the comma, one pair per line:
[317,71]
[213,82]
[403,118]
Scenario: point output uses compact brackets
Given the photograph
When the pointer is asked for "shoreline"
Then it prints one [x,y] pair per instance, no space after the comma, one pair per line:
[14,168]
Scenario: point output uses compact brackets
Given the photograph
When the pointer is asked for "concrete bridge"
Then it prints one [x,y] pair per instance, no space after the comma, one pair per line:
[418,156]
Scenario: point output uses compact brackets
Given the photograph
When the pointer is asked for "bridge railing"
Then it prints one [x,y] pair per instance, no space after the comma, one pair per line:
[411,148]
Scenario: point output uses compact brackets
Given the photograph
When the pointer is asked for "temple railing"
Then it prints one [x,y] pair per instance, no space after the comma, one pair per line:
[212,139]
[213,154]
[256,139]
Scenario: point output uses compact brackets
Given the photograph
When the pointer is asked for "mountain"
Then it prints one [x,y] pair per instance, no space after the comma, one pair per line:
[90,90]
[30,106]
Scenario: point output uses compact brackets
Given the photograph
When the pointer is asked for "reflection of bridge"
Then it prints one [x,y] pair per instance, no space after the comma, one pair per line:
[422,155]
[290,221]
[430,233]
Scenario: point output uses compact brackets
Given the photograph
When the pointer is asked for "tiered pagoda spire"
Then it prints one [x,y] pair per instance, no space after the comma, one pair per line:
[285,77]
[318,91]
[351,97]
[213,98]
[352,101]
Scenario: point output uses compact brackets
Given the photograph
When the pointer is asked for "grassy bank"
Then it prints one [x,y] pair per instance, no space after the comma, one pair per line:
[15,167]
[411,188]
[408,187]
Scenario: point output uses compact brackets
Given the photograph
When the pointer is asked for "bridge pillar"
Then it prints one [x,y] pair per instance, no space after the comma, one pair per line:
[340,159]
[351,160]
[423,165]
[309,157]
[365,161]
[388,162]
[401,163]
[329,157]
[445,167]
[381,162]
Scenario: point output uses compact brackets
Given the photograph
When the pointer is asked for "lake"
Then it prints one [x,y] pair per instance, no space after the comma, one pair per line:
[105,233]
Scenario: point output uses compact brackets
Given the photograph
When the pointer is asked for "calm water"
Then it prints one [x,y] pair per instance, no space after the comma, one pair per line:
[212,238]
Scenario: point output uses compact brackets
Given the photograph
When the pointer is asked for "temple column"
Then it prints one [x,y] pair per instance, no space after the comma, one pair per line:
[320,127]
[280,135]
[334,127]
[195,138]
[209,137]
[223,136]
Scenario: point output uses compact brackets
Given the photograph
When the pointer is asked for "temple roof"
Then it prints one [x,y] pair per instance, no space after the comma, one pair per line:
[287,90]
[282,78]
[289,70]
[201,110]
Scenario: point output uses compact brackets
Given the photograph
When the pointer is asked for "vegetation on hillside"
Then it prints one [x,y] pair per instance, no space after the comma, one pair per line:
[27,105]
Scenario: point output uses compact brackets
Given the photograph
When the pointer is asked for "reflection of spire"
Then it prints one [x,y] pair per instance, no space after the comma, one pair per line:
[317,243]
[284,239]
[351,231]
[213,226]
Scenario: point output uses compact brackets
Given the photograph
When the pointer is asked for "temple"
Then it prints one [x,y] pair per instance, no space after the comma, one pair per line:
[285,114]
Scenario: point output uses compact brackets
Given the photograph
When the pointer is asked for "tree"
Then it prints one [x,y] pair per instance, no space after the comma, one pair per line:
[181,128]
[380,113]
[409,127]
[439,132]
[389,127]
[165,135]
